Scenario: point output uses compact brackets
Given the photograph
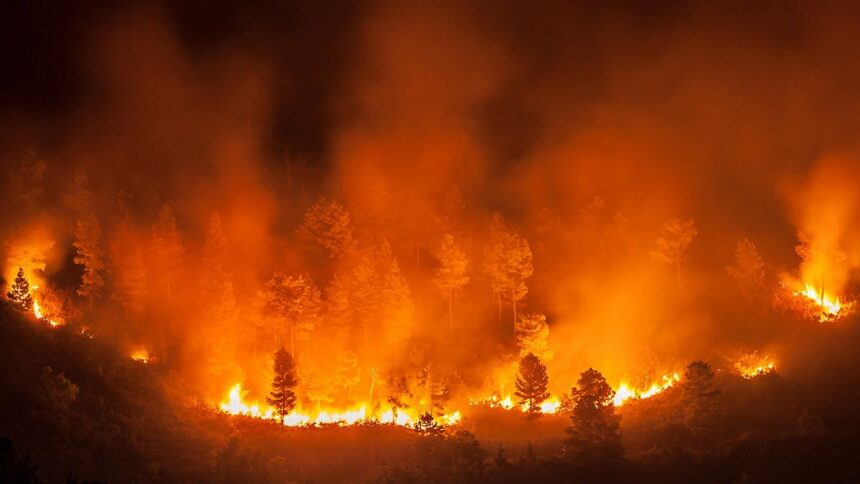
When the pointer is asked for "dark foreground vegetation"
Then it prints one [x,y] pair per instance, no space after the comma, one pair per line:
[75,409]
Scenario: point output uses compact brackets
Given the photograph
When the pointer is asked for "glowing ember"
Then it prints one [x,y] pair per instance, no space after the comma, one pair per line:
[753,365]
[625,392]
[141,355]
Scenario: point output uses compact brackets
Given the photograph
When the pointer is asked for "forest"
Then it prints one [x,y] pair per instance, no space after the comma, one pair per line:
[396,242]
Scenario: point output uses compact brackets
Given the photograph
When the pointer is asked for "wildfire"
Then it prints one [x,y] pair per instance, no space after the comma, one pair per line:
[549,406]
[831,307]
[625,392]
[753,365]
[141,355]
[235,405]
[37,310]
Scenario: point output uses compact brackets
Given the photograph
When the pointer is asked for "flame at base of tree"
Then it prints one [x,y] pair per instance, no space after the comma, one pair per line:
[753,365]
[39,313]
[829,307]
[235,405]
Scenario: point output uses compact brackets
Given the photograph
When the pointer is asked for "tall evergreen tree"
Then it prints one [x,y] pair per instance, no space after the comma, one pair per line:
[452,273]
[328,225]
[532,333]
[89,254]
[507,263]
[673,243]
[167,251]
[594,433]
[19,293]
[531,383]
[293,301]
[282,397]
[699,398]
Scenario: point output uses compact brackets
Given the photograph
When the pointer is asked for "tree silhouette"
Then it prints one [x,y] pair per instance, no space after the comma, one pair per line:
[532,332]
[451,275]
[328,224]
[507,263]
[217,285]
[295,302]
[594,431]
[673,243]
[395,299]
[19,293]
[167,251]
[282,397]
[88,254]
[531,383]
[748,269]
[699,398]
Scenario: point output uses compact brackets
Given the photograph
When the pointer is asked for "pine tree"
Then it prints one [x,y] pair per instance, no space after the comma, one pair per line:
[532,333]
[595,430]
[673,243]
[338,308]
[128,267]
[167,251]
[282,397]
[396,306]
[328,224]
[451,275]
[293,301]
[531,383]
[217,285]
[507,263]
[88,254]
[19,292]
[699,398]
[348,373]
[748,269]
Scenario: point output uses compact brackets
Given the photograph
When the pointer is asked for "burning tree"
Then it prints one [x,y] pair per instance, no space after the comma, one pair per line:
[673,243]
[294,301]
[532,332]
[328,224]
[87,242]
[452,274]
[167,250]
[89,254]
[217,287]
[507,263]
[748,269]
[595,429]
[531,383]
[283,398]
[19,293]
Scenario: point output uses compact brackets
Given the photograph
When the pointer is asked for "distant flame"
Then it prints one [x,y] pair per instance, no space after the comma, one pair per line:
[141,355]
[753,365]
[830,305]
[625,392]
